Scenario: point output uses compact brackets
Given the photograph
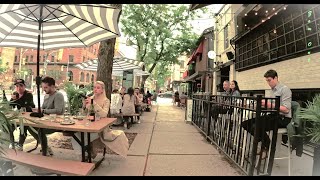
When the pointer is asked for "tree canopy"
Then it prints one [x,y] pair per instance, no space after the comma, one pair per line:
[161,32]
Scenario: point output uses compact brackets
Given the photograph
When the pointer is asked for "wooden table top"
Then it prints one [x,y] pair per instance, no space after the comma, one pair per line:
[79,126]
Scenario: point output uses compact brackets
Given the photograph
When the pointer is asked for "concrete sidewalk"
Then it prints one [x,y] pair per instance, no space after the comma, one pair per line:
[164,145]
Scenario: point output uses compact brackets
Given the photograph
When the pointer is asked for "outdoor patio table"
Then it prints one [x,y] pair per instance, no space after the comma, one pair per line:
[79,126]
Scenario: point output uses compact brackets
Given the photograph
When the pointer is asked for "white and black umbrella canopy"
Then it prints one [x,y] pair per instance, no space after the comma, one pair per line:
[62,25]
[119,64]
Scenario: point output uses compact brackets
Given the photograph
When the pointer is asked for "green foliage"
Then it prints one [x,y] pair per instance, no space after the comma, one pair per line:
[2,67]
[74,98]
[311,114]
[7,119]
[161,32]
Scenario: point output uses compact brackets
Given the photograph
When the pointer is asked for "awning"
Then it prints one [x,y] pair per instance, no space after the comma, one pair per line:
[119,64]
[192,58]
[185,74]
[199,50]
[195,75]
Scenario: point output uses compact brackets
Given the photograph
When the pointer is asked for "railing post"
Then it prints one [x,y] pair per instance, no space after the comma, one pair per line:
[209,115]
[257,132]
[274,136]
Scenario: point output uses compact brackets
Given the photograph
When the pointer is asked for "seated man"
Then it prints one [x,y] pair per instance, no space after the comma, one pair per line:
[53,103]
[22,98]
[278,89]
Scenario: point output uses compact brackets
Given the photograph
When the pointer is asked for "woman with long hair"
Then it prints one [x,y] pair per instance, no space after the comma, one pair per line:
[115,140]
[234,88]
[128,107]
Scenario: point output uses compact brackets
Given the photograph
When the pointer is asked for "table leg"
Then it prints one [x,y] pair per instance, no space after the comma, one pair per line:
[83,150]
[89,148]
[43,141]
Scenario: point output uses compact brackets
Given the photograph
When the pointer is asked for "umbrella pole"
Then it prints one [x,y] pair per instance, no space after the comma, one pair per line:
[38,78]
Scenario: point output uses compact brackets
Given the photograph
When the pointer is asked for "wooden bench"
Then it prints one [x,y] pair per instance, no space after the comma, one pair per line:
[50,164]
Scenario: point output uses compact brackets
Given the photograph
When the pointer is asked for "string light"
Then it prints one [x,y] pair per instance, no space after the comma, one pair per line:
[237,26]
[262,20]
[245,14]
[273,8]
[284,8]
[268,17]
[245,25]
[267,11]
[256,13]
[275,13]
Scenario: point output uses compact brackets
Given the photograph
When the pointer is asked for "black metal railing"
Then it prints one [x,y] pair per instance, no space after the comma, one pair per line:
[223,120]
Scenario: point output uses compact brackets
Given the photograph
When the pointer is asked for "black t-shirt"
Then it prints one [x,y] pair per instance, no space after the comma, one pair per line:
[26,101]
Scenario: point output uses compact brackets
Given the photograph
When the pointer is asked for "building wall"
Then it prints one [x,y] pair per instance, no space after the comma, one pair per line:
[296,73]
[61,58]
[7,56]
[225,18]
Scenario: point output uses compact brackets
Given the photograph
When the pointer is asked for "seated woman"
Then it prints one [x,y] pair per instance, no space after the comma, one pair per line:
[116,140]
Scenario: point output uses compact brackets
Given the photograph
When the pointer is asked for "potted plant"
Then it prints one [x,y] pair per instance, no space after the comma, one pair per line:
[7,119]
[311,116]
[75,96]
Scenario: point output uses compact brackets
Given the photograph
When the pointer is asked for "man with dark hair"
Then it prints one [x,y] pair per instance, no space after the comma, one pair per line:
[22,98]
[277,89]
[81,86]
[53,103]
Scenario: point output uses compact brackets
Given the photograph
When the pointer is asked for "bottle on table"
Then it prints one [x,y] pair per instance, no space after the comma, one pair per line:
[92,113]
[4,97]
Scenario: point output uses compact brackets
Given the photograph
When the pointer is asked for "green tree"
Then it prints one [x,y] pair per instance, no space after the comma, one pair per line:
[3,68]
[160,31]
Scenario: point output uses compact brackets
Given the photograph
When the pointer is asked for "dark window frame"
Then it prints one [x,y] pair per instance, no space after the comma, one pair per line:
[256,49]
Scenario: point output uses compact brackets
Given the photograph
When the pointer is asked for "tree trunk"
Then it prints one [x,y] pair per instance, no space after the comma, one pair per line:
[105,57]
[104,70]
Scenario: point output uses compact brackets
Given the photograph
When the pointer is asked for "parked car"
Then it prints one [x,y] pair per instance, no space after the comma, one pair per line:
[168,94]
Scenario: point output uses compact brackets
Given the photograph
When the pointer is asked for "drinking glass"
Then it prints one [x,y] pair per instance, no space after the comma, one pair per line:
[97,116]
[66,116]
[53,117]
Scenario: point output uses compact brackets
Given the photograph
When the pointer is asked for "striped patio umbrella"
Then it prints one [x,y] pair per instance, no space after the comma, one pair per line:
[52,26]
[119,65]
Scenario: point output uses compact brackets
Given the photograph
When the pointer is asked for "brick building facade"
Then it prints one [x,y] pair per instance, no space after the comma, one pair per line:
[56,63]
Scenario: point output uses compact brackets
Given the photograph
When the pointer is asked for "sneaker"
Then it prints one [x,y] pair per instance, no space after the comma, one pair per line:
[16,146]
[139,121]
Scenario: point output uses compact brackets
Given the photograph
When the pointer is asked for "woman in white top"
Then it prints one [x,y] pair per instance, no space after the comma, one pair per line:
[101,106]
[128,108]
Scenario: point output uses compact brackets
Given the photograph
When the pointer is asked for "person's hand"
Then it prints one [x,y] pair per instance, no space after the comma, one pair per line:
[13,97]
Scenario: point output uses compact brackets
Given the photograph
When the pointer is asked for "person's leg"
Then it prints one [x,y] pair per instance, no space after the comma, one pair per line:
[126,121]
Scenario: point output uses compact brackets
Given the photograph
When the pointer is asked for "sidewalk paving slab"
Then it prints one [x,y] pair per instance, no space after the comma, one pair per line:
[140,145]
[188,165]
[163,126]
[180,143]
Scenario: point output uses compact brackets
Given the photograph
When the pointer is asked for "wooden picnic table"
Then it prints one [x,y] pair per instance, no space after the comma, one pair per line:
[79,126]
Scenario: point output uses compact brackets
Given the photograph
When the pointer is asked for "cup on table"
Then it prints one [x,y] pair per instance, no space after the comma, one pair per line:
[53,117]
[66,116]
[97,116]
